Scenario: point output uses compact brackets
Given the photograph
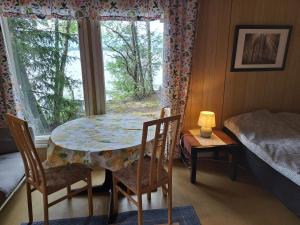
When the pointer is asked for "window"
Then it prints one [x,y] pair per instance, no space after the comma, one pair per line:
[132,56]
[45,59]
[66,69]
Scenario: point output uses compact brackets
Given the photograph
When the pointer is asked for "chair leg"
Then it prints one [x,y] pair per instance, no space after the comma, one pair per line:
[90,195]
[140,209]
[29,203]
[149,196]
[115,196]
[69,191]
[46,213]
[169,203]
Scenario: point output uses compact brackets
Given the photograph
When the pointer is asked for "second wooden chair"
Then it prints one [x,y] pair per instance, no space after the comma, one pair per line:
[152,171]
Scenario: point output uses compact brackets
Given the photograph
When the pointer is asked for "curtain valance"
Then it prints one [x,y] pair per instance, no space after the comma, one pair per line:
[93,9]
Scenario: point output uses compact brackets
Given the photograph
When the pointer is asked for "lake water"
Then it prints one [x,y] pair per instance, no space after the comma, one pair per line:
[74,70]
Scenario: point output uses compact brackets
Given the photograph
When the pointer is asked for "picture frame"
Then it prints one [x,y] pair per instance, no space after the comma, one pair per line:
[260,47]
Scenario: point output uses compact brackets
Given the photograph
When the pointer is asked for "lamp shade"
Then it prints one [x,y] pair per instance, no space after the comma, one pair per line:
[207,119]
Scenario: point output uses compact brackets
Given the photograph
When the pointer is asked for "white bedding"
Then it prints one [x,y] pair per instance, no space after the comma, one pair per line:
[273,137]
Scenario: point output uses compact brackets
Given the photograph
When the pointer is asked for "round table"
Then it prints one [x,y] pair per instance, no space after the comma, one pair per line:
[109,141]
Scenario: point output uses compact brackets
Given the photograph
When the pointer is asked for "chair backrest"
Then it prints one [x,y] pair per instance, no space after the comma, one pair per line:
[33,167]
[165,112]
[156,148]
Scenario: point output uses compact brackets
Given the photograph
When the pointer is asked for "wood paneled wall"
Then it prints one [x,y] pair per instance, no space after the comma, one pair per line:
[213,87]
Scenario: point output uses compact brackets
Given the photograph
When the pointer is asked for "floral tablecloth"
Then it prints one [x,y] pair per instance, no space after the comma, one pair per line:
[109,141]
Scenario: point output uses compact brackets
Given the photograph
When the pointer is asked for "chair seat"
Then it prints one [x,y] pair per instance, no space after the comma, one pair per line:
[59,177]
[128,176]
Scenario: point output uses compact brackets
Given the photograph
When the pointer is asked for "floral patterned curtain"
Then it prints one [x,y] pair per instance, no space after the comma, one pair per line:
[75,9]
[179,20]
[7,97]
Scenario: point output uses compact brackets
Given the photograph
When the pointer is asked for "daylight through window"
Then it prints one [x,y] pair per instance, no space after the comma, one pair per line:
[132,56]
[45,60]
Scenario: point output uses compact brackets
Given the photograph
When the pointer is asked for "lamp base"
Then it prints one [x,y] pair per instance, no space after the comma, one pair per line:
[205,132]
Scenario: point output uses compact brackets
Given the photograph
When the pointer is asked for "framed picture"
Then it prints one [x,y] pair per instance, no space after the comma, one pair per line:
[260,47]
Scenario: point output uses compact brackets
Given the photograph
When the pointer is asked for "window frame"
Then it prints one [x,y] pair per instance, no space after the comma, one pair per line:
[91,68]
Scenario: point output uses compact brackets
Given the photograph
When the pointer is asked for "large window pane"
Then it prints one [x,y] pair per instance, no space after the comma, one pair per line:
[45,58]
[132,55]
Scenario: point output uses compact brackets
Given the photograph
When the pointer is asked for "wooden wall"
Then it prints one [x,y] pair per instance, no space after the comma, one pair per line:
[213,87]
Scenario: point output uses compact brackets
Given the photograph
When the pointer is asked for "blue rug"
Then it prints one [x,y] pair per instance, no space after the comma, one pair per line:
[185,215]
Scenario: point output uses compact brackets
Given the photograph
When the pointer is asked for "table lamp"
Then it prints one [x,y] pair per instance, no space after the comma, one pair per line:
[206,122]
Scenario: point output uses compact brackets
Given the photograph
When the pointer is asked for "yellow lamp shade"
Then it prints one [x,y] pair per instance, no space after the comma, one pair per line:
[207,119]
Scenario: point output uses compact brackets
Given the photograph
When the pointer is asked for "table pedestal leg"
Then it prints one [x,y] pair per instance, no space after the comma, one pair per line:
[106,186]
[111,216]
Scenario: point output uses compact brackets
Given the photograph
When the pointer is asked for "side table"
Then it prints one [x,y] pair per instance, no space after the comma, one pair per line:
[219,141]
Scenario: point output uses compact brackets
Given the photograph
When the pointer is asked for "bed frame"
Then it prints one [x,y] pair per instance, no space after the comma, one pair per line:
[283,188]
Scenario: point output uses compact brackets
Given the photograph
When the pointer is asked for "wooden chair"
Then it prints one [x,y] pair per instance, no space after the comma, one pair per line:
[149,172]
[47,181]
[165,112]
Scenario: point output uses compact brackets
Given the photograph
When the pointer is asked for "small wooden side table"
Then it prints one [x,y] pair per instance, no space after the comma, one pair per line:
[219,141]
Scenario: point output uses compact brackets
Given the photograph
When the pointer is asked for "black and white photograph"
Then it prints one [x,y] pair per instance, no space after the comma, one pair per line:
[259,47]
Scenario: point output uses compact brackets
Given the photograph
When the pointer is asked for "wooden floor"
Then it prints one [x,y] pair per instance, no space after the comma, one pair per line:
[216,199]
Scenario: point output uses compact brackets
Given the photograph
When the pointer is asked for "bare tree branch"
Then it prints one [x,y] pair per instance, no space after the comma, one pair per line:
[124,59]
[119,34]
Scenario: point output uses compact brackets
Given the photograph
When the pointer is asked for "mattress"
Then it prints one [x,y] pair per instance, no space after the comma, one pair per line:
[273,137]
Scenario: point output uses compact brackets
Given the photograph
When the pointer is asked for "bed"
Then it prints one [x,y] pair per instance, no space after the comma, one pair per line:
[271,143]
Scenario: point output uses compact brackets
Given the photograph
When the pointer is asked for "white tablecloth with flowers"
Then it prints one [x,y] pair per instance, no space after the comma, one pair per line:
[108,141]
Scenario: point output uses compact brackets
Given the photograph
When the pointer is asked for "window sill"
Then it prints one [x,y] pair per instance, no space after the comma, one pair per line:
[41,141]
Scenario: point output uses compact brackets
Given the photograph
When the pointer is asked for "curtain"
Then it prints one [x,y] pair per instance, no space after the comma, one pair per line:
[7,96]
[179,20]
[75,9]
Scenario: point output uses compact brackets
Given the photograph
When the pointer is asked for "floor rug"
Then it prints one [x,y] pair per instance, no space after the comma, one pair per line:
[185,215]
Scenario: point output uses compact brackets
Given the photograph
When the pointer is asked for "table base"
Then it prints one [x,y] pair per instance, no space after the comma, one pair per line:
[105,188]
